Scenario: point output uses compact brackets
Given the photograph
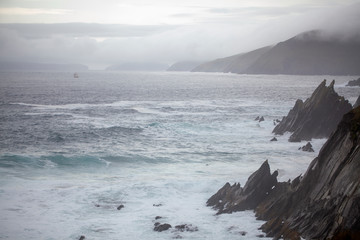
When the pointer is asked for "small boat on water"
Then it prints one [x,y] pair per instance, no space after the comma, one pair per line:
[76,75]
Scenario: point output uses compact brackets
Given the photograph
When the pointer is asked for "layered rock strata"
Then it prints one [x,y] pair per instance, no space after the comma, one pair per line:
[317,117]
[323,204]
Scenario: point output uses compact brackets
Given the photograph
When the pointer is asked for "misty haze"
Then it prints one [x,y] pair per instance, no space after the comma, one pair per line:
[179,119]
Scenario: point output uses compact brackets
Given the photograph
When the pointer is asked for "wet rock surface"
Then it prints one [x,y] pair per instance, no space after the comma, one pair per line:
[260,119]
[307,148]
[353,83]
[235,198]
[317,117]
[186,228]
[357,103]
[323,204]
[161,227]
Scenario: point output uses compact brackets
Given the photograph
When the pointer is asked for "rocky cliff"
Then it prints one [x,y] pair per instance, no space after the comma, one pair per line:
[324,204]
[317,117]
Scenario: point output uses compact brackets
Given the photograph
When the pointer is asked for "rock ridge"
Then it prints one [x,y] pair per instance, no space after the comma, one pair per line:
[317,117]
[323,204]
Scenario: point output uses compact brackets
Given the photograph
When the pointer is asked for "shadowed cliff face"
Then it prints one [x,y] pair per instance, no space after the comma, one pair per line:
[317,117]
[324,204]
[357,103]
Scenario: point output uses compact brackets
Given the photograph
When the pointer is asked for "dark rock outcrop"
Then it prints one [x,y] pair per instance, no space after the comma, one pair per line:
[353,83]
[121,206]
[324,204]
[274,139]
[317,117]
[234,198]
[307,148]
[260,119]
[161,227]
[186,228]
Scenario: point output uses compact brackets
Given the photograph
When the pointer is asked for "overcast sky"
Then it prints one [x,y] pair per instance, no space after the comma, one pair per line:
[99,33]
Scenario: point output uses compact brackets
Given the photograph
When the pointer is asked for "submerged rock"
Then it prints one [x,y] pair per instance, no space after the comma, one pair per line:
[324,204]
[317,117]
[260,119]
[186,228]
[307,148]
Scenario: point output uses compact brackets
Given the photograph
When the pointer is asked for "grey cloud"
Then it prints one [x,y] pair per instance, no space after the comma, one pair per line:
[168,44]
[261,11]
[35,30]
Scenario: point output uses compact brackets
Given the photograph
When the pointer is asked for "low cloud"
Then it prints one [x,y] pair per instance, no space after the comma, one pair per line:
[206,40]
[34,30]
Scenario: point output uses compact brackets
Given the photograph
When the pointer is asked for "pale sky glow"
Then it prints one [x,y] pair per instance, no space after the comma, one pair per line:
[114,31]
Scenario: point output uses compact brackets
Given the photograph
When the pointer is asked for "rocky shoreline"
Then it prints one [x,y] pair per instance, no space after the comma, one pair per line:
[325,202]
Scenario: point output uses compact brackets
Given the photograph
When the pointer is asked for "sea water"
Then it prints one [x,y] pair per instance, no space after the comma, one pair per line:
[73,150]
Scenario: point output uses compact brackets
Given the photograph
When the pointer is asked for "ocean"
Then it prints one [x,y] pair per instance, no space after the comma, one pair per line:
[72,150]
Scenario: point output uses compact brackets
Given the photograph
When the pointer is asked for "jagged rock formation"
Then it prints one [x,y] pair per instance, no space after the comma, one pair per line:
[235,198]
[307,148]
[353,83]
[324,204]
[317,117]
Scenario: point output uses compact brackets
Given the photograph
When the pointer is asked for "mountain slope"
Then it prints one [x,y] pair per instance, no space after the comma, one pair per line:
[234,64]
[184,66]
[310,53]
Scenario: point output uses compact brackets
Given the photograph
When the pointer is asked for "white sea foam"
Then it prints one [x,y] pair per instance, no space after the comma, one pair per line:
[164,139]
